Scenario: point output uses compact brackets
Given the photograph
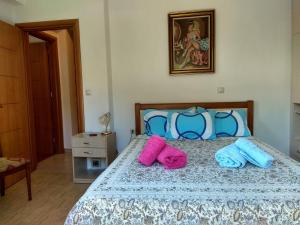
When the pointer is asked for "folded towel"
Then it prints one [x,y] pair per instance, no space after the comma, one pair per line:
[230,156]
[151,150]
[253,153]
[172,158]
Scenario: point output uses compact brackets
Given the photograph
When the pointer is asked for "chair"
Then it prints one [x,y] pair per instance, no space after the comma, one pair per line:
[18,164]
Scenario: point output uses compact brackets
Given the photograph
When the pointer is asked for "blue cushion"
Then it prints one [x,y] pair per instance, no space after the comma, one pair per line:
[192,126]
[231,123]
[155,121]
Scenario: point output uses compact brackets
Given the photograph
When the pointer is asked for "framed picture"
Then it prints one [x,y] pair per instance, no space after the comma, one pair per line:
[192,42]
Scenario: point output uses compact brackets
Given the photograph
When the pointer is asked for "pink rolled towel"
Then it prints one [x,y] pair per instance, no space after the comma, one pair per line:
[172,158]
[151,150]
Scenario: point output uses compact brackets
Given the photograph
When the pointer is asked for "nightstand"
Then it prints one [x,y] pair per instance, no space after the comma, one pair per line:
[92,153]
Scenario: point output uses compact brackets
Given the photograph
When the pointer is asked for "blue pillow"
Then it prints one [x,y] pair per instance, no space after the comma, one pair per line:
[156,121]
[192,126]
[201,109]
[231,123]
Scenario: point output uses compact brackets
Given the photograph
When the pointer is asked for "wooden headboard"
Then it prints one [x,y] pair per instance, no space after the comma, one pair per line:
[208,105]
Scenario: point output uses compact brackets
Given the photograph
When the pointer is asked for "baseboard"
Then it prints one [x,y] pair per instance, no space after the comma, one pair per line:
[68,150]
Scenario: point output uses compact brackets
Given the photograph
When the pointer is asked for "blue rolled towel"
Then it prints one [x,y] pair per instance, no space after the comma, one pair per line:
[253,153]
[230,156]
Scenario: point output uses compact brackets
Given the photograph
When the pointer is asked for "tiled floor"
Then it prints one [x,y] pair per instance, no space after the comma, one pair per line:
[53,191]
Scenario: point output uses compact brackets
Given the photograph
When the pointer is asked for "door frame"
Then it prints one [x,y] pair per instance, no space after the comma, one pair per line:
[73,26]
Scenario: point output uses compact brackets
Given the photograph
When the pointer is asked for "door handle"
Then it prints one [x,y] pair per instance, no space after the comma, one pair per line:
[87,153]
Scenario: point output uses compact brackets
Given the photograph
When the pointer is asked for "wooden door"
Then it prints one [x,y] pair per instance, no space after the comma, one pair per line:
[42,99]
[14,124]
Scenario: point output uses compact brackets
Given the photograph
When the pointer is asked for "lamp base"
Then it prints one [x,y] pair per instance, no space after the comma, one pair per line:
[106,132]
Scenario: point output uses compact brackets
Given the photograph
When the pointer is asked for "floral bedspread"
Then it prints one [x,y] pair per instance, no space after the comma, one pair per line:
[200,193]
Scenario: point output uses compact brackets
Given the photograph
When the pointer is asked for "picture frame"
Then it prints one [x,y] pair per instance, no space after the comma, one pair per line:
[191,42]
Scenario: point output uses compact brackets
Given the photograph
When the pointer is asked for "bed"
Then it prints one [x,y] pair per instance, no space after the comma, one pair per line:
[200,193]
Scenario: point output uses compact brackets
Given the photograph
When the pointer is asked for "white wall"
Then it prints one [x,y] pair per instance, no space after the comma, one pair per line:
[296,16]
[93,47]
[253,58]
[33,39]
[67,86]
[253,47]
[6,12]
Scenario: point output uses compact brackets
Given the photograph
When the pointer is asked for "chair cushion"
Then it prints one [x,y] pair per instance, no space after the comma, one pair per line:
[11,163]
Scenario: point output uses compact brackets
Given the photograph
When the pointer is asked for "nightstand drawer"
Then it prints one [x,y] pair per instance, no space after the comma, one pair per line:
[89,152]
[92,153]
[85,141]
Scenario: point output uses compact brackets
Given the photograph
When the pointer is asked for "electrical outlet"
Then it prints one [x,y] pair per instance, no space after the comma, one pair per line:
[88,92]
[220,90]
[132,135]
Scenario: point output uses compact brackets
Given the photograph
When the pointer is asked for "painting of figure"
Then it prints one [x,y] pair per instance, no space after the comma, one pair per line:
[191,37]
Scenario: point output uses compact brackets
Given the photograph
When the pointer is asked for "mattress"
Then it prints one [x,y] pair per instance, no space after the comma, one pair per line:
[201,193]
